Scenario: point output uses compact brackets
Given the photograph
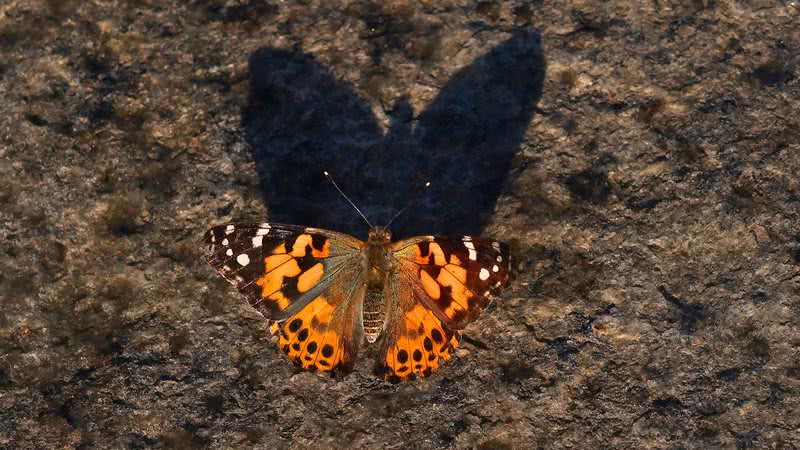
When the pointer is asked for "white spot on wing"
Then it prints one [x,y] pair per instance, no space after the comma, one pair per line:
[484,275]
[225,242]
[264,230]
[496,246]
[229,229]
[499,258]
[495,268]
[473,255]
[257,241]
[229,252]
[243,259]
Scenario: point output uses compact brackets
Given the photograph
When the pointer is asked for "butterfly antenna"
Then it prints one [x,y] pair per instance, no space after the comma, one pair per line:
[346,198]
[413,199]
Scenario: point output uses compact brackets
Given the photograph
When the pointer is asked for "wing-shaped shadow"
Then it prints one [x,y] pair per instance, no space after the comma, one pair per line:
[300,121]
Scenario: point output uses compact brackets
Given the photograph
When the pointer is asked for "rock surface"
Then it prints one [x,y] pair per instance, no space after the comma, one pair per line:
[640,157]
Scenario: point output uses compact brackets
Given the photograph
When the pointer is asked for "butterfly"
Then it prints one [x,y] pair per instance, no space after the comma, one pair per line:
[326,293]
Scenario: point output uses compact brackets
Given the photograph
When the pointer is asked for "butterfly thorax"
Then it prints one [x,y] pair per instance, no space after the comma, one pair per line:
[379,261]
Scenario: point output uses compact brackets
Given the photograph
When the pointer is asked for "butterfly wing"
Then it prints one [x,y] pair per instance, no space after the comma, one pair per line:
[327,334]
[440,285]
[307,280]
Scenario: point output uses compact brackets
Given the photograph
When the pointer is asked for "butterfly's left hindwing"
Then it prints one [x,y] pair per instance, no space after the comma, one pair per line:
[440,285]
[308,281]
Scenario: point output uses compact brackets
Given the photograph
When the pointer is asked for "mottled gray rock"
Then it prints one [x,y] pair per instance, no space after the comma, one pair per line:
[645,173]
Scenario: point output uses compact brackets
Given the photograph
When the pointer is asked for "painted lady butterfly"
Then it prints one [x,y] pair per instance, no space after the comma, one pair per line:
[325,292]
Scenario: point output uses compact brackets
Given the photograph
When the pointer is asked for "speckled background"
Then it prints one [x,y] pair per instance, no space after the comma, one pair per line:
[642,159]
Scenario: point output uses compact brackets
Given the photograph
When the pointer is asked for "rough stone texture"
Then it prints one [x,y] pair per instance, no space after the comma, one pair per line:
[645,173]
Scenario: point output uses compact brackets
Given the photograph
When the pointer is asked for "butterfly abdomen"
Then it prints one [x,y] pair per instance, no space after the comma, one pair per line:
[378,260]
[374,314]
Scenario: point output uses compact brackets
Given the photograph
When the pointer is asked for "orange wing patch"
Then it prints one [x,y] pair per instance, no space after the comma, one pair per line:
[454,303]
[310,277]
[430,285]
[419,349]
[310,245]
[277,268]
[283,271]
[308,339]
[459,276]
[431,253]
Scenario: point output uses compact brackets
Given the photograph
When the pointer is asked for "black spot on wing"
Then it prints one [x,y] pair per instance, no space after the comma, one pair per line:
[445,297]
[318,241]
[450,246]
[307,262]
[432,270]
[402,356]
[289,241]
[424,248]
[460,318]
[303,335]
[289,288]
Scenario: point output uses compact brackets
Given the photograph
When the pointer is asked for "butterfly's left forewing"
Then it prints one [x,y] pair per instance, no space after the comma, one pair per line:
[439,286]
[308,281]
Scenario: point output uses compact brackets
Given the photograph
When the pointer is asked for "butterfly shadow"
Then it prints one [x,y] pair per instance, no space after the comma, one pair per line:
[301,121]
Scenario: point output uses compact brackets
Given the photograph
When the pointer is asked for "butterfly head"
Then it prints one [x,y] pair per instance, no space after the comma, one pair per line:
[379,235]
